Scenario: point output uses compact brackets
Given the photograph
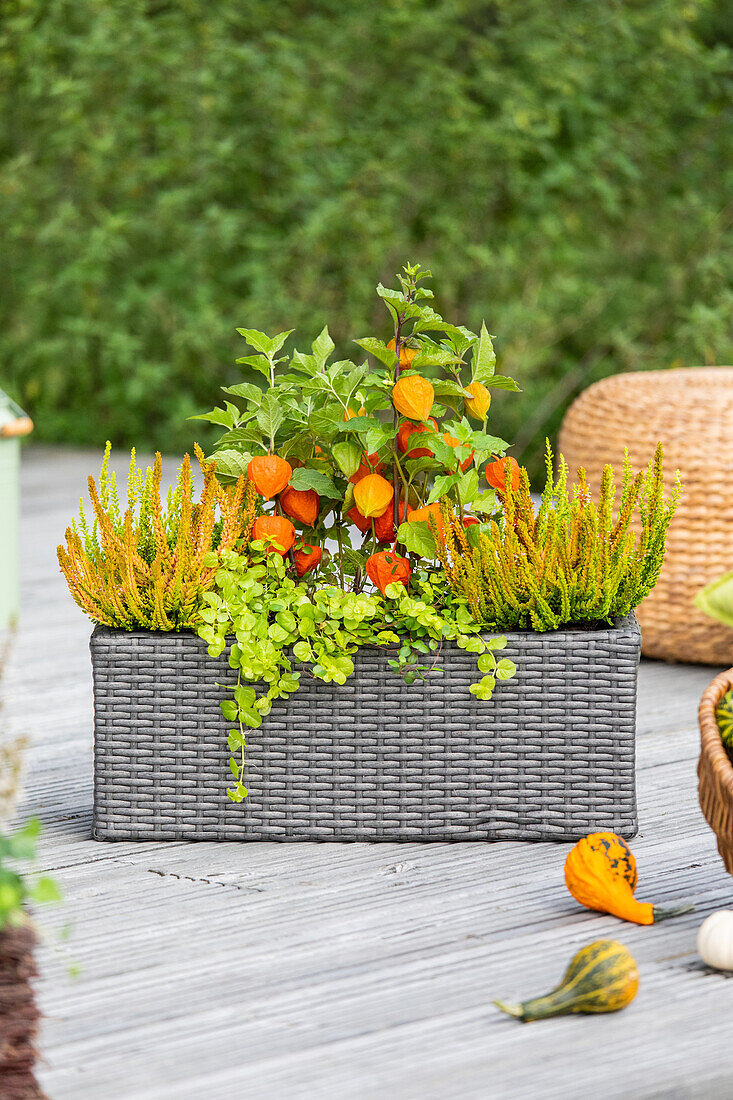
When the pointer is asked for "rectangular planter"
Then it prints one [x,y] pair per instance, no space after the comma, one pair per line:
[550,757]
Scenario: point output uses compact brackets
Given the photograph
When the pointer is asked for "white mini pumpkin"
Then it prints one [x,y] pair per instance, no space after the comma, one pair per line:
[715,940]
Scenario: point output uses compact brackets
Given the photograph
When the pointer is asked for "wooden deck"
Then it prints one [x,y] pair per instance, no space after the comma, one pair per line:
[344,972]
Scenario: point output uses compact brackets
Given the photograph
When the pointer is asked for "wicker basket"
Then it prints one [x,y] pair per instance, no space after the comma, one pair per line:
[550,757]
[691,412]
[19,1015]
[715,770]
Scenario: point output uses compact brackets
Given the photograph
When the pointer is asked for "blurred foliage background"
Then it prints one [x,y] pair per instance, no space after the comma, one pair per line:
[170,170]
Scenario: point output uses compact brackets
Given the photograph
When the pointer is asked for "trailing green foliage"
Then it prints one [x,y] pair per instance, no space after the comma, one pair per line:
[277,621]
[167,169]
[571,562]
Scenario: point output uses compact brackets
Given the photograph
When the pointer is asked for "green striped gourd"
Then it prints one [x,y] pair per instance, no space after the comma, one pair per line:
[724,718]
[602,977]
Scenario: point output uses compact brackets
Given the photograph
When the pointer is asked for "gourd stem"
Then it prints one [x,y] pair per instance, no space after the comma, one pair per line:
[557,1003]
[665,914]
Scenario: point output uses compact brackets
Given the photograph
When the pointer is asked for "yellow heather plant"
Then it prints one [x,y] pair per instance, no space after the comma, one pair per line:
[572,561]
[144,568]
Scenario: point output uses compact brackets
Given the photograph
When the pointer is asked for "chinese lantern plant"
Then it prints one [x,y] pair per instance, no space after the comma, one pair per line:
[334,446]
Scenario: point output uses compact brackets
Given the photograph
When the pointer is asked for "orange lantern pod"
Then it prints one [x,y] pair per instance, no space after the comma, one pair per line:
[403,438]
[468,521]
[477,405]
[384,527]
[307,558]
[453,442]
[413,396]
[386,567]
[369,464]
[373,495]
[496,473]
[422,515]
[360,522]
[406,354]
[349,414]
[276,528]
[269,474]
[301,504]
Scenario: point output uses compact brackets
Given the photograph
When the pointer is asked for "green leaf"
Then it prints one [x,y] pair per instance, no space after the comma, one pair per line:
[277,341]
[485,503]
[377,436]
[505,669]
[270,415]
[484,360]
[379,350]
[224,417]
[258,362]
[442,486]
[247,390]
[502,382]
[230,463]
[434,442]
[417,538]
[326,421]
[323,345]
[304,477]
[445,387]
[468,486]
[258,340]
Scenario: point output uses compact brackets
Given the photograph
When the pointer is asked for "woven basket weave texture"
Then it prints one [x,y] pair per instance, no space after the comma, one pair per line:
[550,757]
[691,411]
[715,771]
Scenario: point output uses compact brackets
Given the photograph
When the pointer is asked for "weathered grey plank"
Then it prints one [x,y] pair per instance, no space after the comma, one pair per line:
[357,971]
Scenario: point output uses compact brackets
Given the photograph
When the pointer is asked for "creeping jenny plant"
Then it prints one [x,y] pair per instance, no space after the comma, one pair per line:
[283,629]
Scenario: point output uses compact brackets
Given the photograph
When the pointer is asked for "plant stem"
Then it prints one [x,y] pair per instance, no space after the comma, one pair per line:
[339,539]
[279,510]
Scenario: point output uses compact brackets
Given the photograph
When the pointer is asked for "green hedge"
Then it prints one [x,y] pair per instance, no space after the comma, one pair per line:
[171,169]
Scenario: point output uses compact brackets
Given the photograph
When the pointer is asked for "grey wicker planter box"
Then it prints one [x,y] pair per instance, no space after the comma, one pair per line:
[550,757]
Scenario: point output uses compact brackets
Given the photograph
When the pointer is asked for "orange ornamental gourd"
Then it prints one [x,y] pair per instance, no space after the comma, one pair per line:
[384,527]
[269,474]
[386,567]
[422,515]
[359,521]
[406,354]
[496,473]
[413,396]
[408,429]
[453,442]
[477,405]
[373,495]
[277,529]
[307,558]
[600,873]
[301,504]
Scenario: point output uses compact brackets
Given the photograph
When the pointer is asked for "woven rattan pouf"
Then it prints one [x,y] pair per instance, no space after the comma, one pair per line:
[691,411]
